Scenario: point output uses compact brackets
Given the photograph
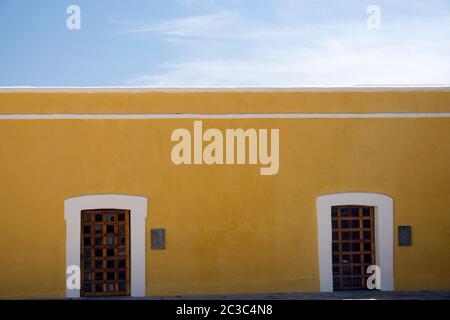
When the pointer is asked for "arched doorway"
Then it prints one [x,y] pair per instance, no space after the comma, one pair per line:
[134,206]
[382,207]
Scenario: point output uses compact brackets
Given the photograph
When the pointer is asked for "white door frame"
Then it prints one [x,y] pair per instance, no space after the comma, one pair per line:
[384,234]
[138,213]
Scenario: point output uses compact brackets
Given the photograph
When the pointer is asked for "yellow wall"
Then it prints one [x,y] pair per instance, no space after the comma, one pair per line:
[256,101]
[228,228]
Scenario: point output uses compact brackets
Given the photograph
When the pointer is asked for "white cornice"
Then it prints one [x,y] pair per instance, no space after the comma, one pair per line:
[381,88]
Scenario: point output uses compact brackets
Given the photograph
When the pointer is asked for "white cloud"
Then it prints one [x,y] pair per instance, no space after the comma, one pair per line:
[226,49]
[194,26]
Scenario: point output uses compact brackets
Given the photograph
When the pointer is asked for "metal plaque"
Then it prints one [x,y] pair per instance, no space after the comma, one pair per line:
[404,236]
[158,239]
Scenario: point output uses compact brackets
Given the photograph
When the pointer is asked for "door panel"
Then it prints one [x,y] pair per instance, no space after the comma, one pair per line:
[353,246]
[105,252]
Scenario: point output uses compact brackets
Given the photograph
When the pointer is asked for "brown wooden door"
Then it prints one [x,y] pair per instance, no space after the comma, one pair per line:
[353,246]
[105,252]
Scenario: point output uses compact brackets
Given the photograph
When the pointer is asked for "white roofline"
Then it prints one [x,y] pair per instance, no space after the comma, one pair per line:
[226,89]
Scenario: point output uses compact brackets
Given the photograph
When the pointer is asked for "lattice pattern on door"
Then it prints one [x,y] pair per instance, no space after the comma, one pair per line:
[105,252]
[353,246]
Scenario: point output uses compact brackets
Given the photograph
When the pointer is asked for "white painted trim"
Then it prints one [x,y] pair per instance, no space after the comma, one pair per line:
[138,213]
[126,116]
[356,88]
[384,234]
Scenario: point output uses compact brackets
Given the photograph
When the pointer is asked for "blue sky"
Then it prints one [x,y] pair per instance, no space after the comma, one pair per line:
[224,43]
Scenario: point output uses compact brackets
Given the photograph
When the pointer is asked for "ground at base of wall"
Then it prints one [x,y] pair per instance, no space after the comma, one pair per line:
[341,295]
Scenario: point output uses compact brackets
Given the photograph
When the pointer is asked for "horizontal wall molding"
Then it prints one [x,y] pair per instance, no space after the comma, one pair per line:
[130,116]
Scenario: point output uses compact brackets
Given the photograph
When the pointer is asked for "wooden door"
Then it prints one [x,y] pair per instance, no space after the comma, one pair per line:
[105,252]
[353,246]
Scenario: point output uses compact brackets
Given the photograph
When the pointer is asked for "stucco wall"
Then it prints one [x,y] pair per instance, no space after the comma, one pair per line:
[228,228]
